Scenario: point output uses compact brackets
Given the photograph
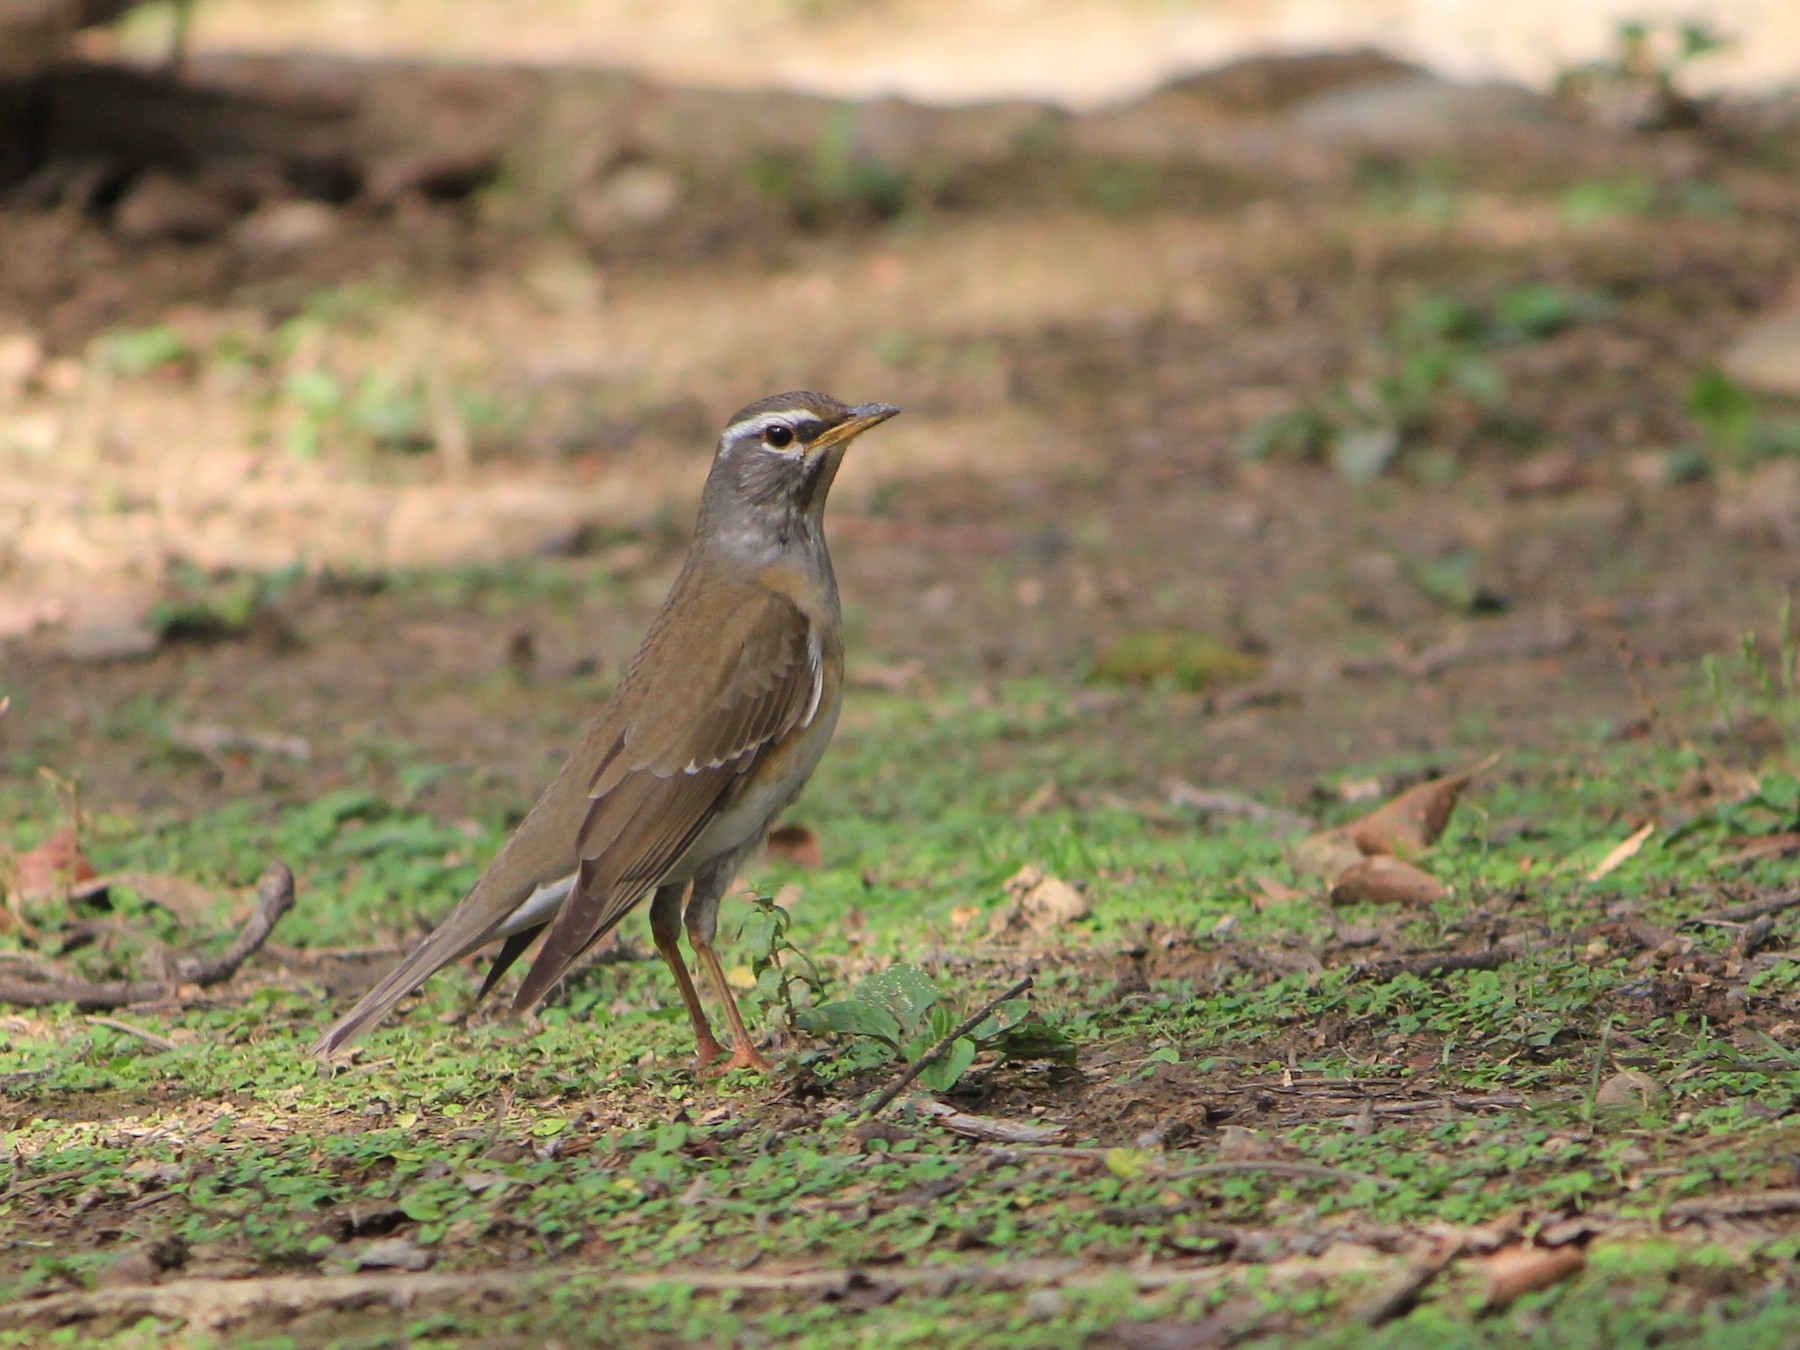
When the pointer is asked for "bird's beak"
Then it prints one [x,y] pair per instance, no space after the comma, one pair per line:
[861,418]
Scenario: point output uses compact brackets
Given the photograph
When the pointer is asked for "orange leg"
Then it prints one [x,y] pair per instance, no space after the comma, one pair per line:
[665,930]
[744,1055]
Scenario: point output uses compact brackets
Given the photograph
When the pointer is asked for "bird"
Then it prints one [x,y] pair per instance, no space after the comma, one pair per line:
[717,724]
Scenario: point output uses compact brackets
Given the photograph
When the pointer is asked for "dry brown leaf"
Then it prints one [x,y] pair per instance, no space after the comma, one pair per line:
[185,899]
[1513,1271]
[1386,881]
[1325,854]
[1628,1087]
[1038,802]
[1040,902]
[1623,852]
[1411,822]
[795,844]
[1275,892]
[51,869]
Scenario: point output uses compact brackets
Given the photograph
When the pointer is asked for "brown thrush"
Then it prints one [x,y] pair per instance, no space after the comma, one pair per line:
[720,719]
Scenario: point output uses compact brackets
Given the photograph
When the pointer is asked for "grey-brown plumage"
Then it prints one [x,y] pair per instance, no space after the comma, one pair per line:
[719,721]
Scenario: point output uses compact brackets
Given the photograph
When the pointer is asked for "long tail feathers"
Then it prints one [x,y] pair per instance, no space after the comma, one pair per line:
[429,957]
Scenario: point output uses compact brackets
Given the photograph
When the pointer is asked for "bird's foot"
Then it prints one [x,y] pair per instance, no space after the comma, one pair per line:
[742,1057]
[706,1053]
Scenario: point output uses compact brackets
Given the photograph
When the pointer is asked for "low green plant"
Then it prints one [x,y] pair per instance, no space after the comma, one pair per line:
[899,1013]
[1434,352]
[786,977]
[201,605]
[1734,427]
[1760,683]
[144,351]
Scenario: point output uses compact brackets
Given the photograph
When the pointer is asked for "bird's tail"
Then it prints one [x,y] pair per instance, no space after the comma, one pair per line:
[429,957]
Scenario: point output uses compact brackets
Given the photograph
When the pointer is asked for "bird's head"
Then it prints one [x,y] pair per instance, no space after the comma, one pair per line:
[777,459]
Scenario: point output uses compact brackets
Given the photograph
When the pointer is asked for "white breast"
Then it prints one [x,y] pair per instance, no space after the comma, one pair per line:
[753,812]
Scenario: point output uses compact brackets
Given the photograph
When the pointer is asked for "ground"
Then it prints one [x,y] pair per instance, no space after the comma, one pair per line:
[1106,553]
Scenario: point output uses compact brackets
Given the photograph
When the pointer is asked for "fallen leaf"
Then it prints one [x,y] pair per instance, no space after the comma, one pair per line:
[1552,472]
[795,844]
[1628,1087]
[1039,902]
[1128,1163]
[962,916]
[52,869]
[1038,802]
[1412,821]
[133,1268]
[1623,852]
[1513,1271]
[741,977]
[1386,881]
[184,899]
[1325,854]
[1275,892]
[393,1253]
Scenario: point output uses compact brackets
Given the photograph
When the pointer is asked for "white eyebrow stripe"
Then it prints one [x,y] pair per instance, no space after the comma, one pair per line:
[763,421]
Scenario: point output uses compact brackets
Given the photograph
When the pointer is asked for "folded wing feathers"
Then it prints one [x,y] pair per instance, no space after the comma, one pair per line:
[638,829]
[651,792]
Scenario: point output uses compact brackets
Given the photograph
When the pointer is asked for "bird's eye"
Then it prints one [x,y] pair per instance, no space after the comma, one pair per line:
[779,437]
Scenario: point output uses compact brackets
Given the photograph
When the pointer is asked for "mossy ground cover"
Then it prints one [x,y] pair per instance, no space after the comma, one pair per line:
[1613,1067]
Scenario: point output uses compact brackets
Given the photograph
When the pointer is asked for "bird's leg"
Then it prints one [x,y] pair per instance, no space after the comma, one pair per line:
[665,929]
[702,925]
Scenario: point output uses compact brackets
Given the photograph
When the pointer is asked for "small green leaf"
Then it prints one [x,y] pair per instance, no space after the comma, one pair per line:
[905,991]
[851,1017]
[942,1075]
[1128,1164]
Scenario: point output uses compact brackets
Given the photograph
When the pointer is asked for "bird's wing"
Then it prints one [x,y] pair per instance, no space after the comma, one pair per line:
[686,750]
[724,671]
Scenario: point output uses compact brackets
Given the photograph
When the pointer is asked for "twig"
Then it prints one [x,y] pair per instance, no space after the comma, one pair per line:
[274,897]
[221,1302]
[1399,1296]
[38,1183]
[875,1106]
[985,1127]
[148,1037]
[1736,1204]
[1755,909]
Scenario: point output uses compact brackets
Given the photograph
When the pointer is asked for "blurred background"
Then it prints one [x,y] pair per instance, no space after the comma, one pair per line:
[1357,378]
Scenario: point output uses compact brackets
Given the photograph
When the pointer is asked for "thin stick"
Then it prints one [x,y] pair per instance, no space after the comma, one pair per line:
[37,1183]
[933,1055]
[144,1034]
[1755,909]
[274,897]
[223,1301]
